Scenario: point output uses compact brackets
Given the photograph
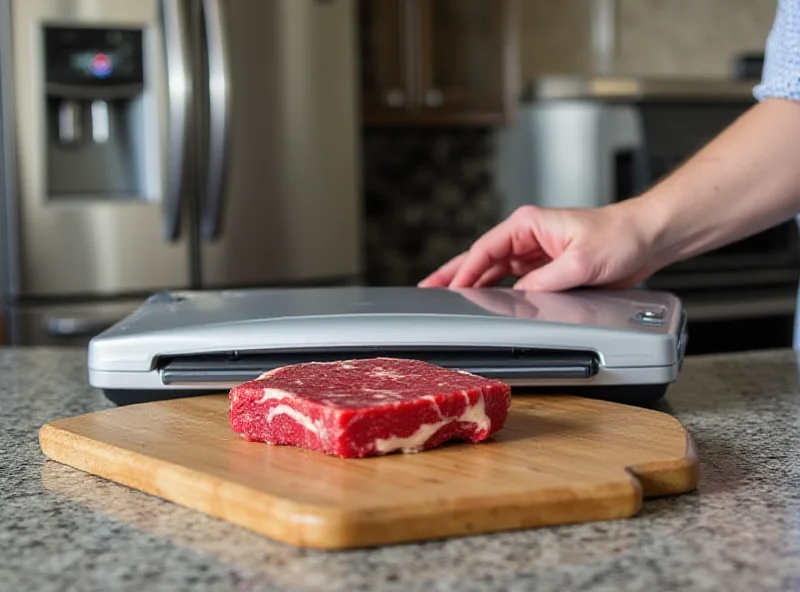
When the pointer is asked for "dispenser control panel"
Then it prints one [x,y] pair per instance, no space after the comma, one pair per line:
[93,57]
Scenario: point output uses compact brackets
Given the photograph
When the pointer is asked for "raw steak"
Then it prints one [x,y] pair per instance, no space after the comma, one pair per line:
[368,407]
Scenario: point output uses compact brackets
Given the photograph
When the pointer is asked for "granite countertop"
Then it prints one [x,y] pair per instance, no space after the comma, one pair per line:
[61,529]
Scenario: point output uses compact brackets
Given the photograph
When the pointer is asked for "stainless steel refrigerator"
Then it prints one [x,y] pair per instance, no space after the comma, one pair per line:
[168,144]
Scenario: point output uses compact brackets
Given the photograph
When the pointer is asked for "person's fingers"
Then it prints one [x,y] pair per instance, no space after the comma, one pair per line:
[521,267]
[568,271]
[502,243]
[493,275]
[517,267]
[491,249]
[441,277]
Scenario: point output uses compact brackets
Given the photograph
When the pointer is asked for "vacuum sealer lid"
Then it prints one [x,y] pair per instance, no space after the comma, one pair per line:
[625,328]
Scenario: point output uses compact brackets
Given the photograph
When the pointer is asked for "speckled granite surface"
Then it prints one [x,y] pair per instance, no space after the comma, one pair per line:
[63,530]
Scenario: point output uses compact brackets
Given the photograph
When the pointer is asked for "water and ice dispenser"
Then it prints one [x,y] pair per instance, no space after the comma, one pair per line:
[96,113]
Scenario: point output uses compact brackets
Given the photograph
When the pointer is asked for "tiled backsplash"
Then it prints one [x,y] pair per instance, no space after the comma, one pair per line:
[655,37]
[429,193]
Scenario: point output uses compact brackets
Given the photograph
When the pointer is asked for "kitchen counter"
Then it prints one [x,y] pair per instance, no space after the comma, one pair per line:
[61,529]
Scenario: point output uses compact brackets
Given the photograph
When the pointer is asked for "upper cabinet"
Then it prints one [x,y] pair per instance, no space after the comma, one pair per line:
[427,62]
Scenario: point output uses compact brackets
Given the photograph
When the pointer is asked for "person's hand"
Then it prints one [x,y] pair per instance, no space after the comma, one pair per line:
[558,249]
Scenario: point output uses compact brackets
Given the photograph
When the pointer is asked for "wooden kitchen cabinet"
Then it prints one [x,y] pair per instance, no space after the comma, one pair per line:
[384,82]
[437,61]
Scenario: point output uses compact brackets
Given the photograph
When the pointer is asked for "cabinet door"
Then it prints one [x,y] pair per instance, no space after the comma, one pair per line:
[385,69]
[467,64]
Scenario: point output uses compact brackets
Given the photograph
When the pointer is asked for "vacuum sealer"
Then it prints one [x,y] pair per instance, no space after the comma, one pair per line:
[619,345]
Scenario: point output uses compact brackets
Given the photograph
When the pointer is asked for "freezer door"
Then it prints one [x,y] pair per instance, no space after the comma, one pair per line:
[281,202]
[97,161]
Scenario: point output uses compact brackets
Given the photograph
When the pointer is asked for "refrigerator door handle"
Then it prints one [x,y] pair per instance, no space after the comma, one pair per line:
[175,17]
[219,100]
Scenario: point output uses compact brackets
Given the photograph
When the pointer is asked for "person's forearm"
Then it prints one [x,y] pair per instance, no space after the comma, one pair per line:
[744,181]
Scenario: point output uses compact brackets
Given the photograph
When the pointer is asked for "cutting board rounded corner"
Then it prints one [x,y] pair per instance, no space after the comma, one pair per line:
[669,477]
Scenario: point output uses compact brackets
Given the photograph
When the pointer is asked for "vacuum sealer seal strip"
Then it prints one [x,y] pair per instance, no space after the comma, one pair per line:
[499,362]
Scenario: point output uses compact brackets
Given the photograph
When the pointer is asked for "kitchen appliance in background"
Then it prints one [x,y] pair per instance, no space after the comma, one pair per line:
[172,144]
[591,141]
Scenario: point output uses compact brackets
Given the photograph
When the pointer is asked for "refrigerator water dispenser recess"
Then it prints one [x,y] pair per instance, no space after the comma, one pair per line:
[94,85]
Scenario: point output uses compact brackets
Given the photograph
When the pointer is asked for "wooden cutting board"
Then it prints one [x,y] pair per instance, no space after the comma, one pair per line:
[558,460]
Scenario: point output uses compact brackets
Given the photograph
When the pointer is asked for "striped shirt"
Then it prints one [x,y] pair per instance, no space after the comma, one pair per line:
[781,74]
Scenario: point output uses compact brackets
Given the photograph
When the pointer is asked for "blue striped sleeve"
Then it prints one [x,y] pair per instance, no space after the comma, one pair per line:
[781,75]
